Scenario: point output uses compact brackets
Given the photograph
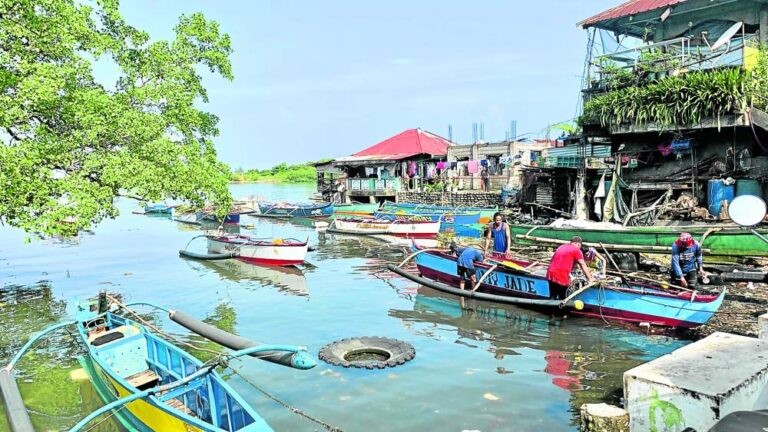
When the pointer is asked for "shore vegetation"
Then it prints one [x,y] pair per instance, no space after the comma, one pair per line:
[281,173]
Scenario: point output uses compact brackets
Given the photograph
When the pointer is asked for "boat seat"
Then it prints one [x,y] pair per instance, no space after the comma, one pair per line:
[103,338]
[144,379]
[179,405]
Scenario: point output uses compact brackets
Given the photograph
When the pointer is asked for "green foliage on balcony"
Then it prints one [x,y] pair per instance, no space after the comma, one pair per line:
[685,99]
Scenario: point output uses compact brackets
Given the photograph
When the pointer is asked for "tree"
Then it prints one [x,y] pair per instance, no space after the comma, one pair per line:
[71,145]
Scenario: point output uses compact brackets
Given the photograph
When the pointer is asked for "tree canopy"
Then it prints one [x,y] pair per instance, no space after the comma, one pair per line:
[70,145]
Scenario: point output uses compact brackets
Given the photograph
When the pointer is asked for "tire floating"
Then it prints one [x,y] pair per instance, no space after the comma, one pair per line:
[367,352]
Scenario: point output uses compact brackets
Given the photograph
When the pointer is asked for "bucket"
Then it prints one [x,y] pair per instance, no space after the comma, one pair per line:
[748,187]
[717,191]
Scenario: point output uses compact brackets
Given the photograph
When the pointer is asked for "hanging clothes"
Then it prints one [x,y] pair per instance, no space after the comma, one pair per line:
[599,195]
[472,167]
[441,165]
[411,168]
[453,165]
[369,171]
[484,162]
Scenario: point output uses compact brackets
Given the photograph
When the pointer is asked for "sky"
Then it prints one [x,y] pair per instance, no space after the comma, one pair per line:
[325,79]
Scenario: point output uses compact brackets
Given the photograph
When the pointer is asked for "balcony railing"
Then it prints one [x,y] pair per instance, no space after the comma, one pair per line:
[373,185]
[671,57]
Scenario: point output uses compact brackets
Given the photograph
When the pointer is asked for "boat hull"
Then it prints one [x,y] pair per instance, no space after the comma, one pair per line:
[398,228]
[204,404]
[633,304]
[725,242]
[323,210]
[275,253]
[355,210]
[485,213]
[444,218]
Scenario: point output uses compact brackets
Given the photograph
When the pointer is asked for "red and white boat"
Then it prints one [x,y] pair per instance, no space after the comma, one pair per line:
[413,228]
[278,252]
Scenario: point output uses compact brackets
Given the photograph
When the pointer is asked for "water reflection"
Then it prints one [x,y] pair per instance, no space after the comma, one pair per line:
[289,280]
[581,356]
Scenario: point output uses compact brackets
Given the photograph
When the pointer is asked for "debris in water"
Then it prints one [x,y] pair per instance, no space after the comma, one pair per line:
[491,396]
[78,375]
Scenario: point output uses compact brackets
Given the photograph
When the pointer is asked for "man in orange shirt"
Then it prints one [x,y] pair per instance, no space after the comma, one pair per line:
[561,265]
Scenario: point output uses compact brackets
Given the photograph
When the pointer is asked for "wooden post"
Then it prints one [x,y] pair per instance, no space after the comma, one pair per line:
[603,418]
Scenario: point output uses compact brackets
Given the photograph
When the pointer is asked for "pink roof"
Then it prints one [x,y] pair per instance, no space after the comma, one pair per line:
[405,144]
[631,7]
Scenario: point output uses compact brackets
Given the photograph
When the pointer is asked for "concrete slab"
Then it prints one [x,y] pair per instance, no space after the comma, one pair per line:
[698,384]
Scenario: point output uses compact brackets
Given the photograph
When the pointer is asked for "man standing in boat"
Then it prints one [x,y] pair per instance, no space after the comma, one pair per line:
[686,258]
[499,232]
[561,265]
[466,265]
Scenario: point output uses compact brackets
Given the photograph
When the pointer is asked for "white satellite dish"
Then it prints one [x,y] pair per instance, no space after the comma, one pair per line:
[727,35]
[747,210]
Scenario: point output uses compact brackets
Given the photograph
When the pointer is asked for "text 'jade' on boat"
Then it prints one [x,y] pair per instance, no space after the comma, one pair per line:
[147,382]
[525,284]
[413,227]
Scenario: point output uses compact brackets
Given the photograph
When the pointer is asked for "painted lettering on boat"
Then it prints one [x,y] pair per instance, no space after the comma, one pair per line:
[372,226]
[510,282]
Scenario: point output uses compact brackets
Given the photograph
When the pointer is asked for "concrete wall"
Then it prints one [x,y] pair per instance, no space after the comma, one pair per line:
[451,199]
[697,385]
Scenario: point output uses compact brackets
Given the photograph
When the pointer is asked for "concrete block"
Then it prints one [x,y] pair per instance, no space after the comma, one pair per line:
[603,418]
[697,385]
[762,326]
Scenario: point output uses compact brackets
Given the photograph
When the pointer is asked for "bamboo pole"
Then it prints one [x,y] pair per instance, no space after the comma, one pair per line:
[485,275]
[577,292]
[411,256]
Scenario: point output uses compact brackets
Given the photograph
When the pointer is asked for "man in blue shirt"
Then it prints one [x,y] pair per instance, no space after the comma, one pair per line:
[686,259]
[465,265]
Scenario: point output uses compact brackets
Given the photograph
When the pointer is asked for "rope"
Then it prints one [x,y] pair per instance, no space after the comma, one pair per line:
[291,408]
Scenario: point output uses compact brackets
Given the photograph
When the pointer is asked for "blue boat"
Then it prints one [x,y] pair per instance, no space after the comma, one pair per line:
[513,281]
[290,210]
[446,218]
[150,383]
[158,209]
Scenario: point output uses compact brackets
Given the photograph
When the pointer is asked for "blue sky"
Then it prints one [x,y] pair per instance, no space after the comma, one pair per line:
[316,79]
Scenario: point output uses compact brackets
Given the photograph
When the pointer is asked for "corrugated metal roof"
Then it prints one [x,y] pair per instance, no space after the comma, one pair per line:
[631,7]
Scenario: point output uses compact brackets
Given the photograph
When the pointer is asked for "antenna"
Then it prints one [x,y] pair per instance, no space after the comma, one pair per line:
[450,133]
[727,35]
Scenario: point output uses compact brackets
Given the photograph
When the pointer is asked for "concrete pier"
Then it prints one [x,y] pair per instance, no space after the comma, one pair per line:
[697,385]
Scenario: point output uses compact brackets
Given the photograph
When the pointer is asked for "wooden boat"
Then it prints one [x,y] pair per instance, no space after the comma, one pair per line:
[408,228]
[486,213]
[449,218]
[727,240]
[288,210]
[158,209]
[279,252]
[638,302]
[346,210]
[149,383]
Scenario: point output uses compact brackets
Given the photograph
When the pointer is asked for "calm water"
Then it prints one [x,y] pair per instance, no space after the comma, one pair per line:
[489,368]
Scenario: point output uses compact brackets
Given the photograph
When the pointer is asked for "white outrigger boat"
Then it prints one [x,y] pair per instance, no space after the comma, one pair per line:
[412,228]
[278,252]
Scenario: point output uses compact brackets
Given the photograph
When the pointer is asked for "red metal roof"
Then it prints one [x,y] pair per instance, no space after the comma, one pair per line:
[631,7]
[405,144]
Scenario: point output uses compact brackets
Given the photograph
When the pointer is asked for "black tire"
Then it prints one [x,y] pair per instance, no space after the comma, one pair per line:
[398,352]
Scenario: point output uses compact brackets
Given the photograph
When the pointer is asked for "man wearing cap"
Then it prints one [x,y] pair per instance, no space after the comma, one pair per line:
[686,258]
[561,265]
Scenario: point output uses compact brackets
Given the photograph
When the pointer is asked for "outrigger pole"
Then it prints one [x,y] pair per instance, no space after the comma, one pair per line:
[164,388]
[18,417]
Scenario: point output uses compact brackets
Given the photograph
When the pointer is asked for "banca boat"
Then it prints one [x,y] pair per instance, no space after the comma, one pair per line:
[278,252]
[414,228]
[523,283]
[289,210]
[716,240]
[152,384]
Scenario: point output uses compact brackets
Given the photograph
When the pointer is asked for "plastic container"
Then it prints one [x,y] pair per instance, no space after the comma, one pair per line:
[748,187]
[718,191]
